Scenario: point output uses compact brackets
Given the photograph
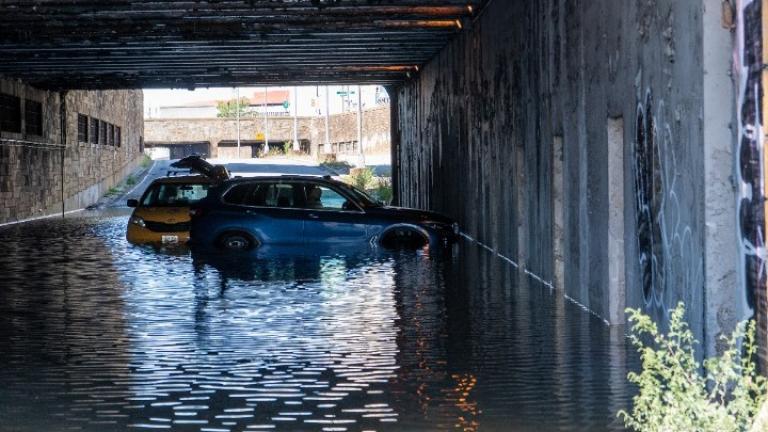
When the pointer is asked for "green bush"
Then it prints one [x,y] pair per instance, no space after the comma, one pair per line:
[130,181]
[384,190]
[362,178]
[275,151]
[146,161]
[678,393]
[229,109]
[112,191]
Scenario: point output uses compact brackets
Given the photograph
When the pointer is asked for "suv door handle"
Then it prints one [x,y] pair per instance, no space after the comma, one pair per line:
[313,216]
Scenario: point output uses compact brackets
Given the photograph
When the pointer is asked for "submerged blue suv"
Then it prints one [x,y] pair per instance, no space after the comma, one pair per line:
[245,213]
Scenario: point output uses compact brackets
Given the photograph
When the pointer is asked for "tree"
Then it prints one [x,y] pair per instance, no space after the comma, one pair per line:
[228,109]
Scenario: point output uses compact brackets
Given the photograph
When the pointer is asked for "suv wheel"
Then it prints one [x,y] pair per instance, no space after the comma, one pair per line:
[404,238]
[235,242]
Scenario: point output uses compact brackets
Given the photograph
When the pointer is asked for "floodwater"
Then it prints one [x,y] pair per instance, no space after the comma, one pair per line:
[100,335]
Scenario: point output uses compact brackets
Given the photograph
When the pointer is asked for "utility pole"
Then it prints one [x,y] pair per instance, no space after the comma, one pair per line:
[327,123]
[237,108]
[296,146]
[360,127]
[266,124]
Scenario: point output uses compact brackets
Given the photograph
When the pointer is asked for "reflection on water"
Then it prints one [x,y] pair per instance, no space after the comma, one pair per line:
[99,335]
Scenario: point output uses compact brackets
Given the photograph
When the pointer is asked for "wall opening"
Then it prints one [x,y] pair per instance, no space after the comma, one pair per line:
[10,113]
[33,117]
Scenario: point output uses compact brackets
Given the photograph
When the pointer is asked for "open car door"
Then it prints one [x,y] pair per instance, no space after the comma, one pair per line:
[199,165]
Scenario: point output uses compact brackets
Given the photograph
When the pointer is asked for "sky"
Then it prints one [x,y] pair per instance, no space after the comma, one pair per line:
[154,98]
[163,97]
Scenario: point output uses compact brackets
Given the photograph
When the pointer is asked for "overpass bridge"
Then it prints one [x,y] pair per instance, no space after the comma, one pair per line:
[613,151]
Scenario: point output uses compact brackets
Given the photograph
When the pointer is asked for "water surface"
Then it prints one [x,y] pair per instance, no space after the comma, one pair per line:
[100,335]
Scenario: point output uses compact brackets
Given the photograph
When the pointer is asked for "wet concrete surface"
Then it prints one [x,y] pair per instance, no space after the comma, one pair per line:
[101,335]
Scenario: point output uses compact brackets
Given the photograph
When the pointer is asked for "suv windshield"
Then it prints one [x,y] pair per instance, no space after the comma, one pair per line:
[364,199]
[174,195]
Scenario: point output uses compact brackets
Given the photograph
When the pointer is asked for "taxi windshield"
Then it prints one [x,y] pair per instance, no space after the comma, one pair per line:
[174,195]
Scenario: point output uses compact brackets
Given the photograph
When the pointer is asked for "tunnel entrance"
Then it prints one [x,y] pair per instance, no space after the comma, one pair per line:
[177,150]
[247,149]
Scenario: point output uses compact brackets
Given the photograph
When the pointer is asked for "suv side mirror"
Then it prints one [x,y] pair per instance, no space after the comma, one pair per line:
[133,203]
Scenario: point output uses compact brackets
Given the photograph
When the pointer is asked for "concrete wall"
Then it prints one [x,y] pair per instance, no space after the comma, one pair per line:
[342,128]
[749,53]
[621,87]
[31,166]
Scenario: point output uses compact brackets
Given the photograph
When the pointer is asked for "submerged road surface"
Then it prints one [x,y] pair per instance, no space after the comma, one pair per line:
[100,335]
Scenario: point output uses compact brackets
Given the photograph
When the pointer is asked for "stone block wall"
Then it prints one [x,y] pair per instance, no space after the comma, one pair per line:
[32,168]
[342,129]
[568,137]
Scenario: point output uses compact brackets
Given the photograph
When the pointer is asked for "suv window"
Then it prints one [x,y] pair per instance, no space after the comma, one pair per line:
[237,194]
[267,194]
[324,198]
[174,195]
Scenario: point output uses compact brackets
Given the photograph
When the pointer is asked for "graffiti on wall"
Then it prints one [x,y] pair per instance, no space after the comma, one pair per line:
[667,253]
[648,196]
[750,153]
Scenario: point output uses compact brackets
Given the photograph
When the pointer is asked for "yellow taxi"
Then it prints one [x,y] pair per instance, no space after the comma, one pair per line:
[162,213]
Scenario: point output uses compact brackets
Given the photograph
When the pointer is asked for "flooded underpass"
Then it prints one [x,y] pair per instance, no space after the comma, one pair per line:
[100,335]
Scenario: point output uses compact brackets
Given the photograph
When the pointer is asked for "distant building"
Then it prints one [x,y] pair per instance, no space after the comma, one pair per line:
[218,137]
[201,109]
[277,104]
[304,101]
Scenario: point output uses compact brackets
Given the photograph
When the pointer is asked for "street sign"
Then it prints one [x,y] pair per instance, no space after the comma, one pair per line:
[343,93]
[260,136]
[286,104]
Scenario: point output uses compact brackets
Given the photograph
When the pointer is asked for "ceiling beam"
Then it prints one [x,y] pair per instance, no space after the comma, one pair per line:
[124,43]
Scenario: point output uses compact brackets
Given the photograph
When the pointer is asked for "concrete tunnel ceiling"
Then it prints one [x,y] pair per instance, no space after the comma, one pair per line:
[94,44]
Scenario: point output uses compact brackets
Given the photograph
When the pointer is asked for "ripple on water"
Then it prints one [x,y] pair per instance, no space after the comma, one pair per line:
[102,335]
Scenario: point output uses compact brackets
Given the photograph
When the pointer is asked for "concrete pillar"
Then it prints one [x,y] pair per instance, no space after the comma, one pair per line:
[266,124]
[237,108]
[558,217]
[328,149]
[296,146]
[725,297]
[616,260]
[360,128]
[521,208]
[395,131]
